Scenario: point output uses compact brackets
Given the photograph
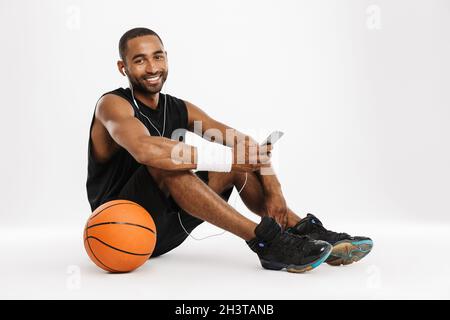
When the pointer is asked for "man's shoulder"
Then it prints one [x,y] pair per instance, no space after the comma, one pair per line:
[121,92]
[113,103]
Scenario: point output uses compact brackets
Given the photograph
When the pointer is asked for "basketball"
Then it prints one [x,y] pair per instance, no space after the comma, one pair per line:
[119,236]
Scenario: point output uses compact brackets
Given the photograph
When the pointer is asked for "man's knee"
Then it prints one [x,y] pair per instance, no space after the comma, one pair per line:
[220,181]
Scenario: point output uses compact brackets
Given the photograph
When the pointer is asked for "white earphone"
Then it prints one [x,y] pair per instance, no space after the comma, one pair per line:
[137,106]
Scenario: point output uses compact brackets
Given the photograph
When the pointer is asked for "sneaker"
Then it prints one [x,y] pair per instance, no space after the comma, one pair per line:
[346,249]
[281,250]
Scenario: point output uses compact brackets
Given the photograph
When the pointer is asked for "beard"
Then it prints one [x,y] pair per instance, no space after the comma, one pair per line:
[141,85]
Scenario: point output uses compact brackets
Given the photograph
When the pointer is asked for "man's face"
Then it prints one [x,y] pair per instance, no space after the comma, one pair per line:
[146,63]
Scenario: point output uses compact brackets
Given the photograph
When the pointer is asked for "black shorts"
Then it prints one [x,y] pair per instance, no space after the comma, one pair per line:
[143,189]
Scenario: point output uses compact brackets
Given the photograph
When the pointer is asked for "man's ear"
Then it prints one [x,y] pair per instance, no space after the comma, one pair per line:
[121,67]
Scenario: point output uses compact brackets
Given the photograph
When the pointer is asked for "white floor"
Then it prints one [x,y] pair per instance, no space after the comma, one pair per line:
[408,262]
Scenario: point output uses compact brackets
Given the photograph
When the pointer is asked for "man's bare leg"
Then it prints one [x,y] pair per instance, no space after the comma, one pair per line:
[252,195]
[195,197]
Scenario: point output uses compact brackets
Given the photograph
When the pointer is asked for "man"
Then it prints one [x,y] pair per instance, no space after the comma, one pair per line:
[131,156]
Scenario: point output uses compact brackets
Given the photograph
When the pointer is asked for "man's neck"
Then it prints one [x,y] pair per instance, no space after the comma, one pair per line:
[150,100]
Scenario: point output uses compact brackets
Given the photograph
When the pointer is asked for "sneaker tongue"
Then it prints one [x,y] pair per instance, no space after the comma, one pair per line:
[267,229]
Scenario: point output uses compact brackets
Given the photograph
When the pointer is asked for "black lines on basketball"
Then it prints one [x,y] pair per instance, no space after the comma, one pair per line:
[93,254]
[125,223]
[127,252]
[112,205]
[120,236]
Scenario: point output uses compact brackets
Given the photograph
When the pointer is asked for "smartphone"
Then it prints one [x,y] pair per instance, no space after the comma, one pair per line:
[273,137]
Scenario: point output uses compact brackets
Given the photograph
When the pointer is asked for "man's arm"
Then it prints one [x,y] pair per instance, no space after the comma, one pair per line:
[209,124]
[269,181]
[118,118]
[274,201]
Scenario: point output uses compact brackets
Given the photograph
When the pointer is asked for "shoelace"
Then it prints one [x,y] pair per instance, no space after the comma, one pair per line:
[329,233]
[294,240]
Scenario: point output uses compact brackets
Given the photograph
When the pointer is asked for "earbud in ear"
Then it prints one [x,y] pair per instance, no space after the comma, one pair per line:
[123,70]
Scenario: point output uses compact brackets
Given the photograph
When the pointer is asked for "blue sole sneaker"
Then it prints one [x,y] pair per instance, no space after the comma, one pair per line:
[346,248]
[347,251]
[271,265]
[280,250]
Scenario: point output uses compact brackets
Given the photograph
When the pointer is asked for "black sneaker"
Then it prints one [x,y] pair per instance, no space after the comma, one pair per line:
[281,250]
[346,249]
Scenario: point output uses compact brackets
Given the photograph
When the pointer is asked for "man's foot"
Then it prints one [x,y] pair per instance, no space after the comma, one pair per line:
[346,249]
[281,250]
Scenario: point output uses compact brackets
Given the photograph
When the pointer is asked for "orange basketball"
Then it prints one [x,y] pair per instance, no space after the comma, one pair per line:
[119,236]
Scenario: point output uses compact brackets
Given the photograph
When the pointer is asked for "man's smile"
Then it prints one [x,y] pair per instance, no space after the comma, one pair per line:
[152,80]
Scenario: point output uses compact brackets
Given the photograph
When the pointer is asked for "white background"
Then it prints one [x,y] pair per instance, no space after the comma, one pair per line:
[360,88]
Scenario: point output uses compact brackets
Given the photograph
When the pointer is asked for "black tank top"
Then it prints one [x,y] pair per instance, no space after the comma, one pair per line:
[105,180]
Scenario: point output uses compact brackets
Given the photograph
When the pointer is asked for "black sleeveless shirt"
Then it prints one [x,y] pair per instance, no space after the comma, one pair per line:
[105,180]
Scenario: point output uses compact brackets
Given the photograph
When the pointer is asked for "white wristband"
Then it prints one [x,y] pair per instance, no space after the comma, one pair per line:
[214,157]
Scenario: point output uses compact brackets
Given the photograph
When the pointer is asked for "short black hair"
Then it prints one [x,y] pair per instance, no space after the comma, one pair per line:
[131,34]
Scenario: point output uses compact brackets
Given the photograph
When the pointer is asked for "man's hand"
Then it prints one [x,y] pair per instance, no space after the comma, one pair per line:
[276,208]
[249,156]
